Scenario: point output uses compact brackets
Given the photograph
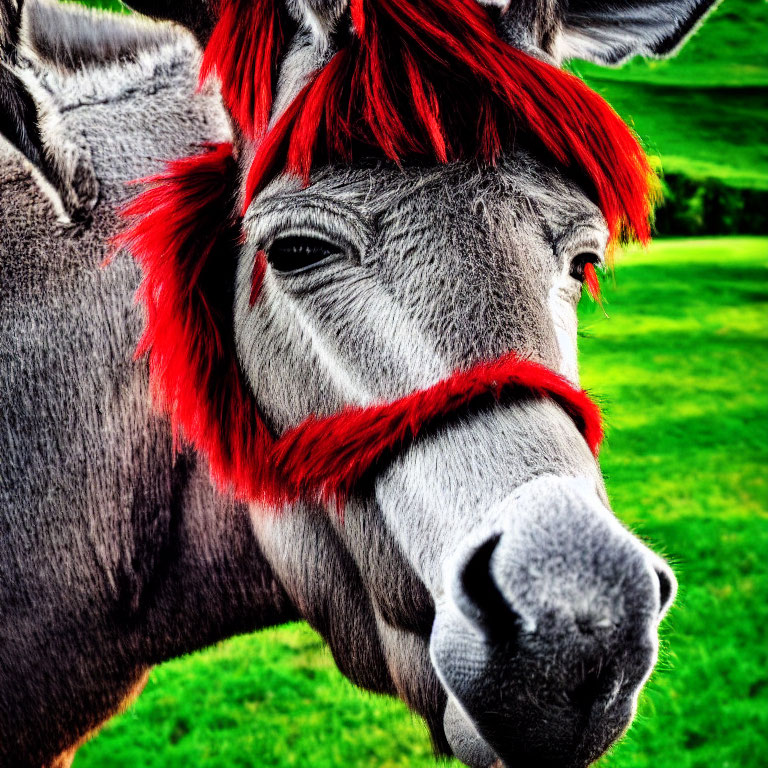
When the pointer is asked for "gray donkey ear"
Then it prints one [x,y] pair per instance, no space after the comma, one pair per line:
[196,15]
[29,122]
[611,32]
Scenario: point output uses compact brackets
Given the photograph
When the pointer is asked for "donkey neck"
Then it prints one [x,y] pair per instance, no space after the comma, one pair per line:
[157,562]
[212,580]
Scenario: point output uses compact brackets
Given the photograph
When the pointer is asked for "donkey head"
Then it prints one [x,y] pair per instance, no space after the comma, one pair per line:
[481,562]
[381,354]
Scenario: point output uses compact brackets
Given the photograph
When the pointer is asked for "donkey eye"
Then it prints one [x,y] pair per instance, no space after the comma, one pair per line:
[295,253]
[579,263]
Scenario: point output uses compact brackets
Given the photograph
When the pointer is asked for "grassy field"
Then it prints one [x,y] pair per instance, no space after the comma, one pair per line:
[680,368]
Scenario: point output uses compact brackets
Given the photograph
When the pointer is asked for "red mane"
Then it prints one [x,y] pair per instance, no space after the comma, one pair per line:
[184,235]
[244,50]
[429,80]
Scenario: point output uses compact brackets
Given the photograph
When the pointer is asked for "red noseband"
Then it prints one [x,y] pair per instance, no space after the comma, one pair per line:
[327,457]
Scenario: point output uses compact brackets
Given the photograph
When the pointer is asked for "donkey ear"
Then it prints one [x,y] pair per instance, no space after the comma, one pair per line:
[611,32]
[30,122]
[196,15]
[70,36]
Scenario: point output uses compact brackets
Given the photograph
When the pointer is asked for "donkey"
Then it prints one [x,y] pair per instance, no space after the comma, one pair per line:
[359,319]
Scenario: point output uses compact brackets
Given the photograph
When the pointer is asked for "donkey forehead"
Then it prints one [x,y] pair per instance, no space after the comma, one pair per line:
[447,265]
[519,196]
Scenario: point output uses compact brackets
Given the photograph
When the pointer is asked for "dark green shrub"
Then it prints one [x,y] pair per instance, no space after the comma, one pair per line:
[710,207]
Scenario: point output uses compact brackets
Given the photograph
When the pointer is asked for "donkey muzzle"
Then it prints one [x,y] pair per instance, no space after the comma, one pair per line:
[548,630]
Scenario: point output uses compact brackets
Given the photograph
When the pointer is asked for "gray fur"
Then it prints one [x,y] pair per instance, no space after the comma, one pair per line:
[75,37]
[10,13]
[320,17]
[114,555]
[479,575]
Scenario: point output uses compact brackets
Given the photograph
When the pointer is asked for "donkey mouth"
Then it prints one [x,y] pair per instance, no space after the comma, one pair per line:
[547,631]
[507,722]
[472,749]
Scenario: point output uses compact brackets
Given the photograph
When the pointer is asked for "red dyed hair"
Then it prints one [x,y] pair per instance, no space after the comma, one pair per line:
[427,79]
[592,281]
[244,50]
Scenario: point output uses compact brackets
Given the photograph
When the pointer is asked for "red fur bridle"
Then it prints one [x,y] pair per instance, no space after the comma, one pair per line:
[326,458]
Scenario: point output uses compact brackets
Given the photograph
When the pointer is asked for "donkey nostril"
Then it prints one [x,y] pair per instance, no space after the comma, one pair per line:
[479,597]
[667,588]
[585,625]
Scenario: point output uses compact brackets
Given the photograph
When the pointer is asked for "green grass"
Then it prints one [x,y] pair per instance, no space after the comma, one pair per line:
[701,132]
[705,111]
[105,5]
[273,699]
[680,368]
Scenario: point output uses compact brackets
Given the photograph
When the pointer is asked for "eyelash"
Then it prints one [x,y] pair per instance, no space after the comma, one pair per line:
[592,281]
[583,270]
[297,253]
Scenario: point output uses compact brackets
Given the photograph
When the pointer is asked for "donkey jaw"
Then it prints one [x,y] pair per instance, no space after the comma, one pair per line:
[465,741]
[547,631]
